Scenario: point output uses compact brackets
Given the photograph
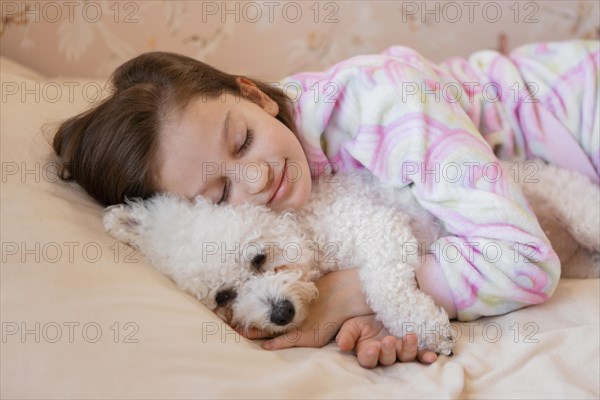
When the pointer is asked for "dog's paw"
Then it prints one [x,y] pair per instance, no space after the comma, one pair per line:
[436,333]
[437,339]
[445,345]
[121,222]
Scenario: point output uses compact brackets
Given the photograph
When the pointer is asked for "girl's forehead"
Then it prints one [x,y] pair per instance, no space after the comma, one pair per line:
[189,142]
[213,113]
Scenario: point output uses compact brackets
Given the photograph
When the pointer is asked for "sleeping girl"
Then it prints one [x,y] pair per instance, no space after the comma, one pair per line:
[174,124]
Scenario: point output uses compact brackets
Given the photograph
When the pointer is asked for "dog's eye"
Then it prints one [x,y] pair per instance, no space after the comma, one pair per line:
[225,296]
[258,261]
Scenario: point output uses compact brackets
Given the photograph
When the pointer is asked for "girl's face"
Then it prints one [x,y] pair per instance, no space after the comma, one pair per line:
[233,150]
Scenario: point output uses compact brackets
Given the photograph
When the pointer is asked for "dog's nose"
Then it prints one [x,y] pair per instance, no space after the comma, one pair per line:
[282,312]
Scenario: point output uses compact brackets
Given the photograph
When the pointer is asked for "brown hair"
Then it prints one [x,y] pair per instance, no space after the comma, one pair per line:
[110,150]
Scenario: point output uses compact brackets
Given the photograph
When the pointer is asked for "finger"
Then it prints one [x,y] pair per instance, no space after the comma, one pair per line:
[287,340]
[298,338]
[426,356]
[387,353]
[253,333]
[347,337]
[368,355]
[409,348]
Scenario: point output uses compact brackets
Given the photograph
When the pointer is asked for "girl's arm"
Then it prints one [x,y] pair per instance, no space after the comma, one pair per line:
[341,310]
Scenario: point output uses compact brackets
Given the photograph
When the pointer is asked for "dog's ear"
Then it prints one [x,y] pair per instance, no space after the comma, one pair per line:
[125,222]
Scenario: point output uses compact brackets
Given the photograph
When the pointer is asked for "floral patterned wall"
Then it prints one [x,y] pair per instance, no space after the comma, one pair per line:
[272,39]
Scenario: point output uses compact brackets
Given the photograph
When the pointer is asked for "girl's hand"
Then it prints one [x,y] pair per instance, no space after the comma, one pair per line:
[342,304]
[373,344]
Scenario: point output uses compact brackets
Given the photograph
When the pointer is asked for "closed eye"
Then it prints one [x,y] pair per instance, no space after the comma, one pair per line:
[241,151]
[244,147]
[225,194]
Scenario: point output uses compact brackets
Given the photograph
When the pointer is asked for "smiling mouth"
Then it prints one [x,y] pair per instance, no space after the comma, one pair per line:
[282,185]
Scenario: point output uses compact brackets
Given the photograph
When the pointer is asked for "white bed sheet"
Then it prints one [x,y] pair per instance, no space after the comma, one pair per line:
[84,317]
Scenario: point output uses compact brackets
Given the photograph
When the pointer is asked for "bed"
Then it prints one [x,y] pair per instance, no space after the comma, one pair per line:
[86,317]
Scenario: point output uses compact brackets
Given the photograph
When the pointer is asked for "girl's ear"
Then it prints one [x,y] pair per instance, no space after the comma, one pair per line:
[253,93]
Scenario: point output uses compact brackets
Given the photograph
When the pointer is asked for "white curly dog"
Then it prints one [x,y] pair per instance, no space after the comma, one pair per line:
[255,268]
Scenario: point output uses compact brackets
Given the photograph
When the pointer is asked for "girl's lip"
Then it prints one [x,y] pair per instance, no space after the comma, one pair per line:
[282,187]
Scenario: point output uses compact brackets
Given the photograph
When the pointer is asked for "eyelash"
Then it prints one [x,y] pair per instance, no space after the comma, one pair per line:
[225,192]
[247,142]
[243,148]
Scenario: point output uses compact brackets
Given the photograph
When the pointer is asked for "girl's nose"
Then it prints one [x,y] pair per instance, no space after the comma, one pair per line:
[257,177]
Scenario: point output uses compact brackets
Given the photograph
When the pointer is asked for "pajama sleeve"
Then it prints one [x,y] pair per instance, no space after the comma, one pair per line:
[397,115]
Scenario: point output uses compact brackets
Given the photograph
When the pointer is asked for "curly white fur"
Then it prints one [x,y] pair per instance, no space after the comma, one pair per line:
[254,267]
